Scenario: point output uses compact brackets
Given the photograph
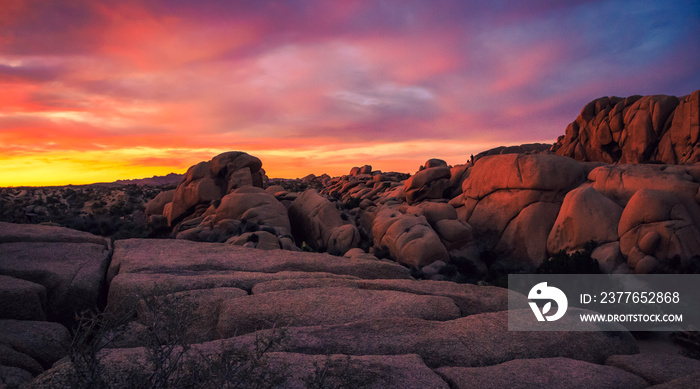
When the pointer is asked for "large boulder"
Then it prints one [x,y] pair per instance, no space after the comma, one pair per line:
[513,200]
[209,181]
[317,221]
[585,215]
[409,239]
[429,183]
[255,207]
[635,129]
[659,233]
[679,143]
[157,205]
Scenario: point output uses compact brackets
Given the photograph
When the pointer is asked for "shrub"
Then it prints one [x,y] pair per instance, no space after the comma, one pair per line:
[579,262]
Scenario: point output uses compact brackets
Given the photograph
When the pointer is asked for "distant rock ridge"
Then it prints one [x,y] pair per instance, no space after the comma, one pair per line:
[170,178]
[636,129]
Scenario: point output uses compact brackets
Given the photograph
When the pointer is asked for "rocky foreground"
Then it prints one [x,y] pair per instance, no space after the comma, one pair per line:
[366,322]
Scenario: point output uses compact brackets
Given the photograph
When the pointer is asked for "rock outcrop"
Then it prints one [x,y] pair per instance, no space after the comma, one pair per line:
[318,223]
[513,200]
[635,129]
[210,181]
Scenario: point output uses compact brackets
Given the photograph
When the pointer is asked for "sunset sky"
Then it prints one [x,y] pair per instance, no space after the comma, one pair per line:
[102,90]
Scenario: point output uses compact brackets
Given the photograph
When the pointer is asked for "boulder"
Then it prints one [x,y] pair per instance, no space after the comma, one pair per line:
[356,371]
[157,205]
[14,377]
[621,182]
[409,239]
[585,215]
[541,373]
[209,181]
[679,143]
[318,222]
[254,207]
[658,225]
[525,237]
[41,341]
[635,129]
[511,202]
[429,183]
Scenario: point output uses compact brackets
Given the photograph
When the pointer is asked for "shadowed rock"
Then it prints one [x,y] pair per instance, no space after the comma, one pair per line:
[635,129]
[318,222]
[656,368]
[541,373]
[70,264]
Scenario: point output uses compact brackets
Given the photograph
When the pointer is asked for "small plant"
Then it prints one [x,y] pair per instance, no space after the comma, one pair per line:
[170,360]
[93,332]
[579,262]
[335,373]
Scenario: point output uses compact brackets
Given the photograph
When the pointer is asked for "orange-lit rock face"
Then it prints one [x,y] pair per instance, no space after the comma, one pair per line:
[635,129]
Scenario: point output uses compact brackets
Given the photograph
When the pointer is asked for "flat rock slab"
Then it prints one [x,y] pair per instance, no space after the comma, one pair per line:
[11,233]
[471,299]
[72,273]
[476,340]
[174,256]
[656,368]
[22,300]
[564,373]
[323,306]
[198,309]
[126,287]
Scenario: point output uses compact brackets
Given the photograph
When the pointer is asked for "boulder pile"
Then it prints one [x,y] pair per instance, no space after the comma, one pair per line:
[635,129]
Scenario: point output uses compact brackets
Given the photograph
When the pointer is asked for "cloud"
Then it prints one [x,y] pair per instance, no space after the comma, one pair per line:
[325,83]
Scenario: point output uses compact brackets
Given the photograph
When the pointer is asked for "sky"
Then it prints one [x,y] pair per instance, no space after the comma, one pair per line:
[95,91]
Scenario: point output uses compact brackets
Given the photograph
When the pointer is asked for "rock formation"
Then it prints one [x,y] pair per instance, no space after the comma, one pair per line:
[635,129]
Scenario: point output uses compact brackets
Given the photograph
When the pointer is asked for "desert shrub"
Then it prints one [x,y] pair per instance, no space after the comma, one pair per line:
[689,341]
[579,262]
[307,248]
[170,360]
[93,332]
[335,374]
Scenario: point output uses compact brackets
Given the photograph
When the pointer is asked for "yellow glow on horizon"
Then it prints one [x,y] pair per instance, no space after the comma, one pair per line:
[86,167]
